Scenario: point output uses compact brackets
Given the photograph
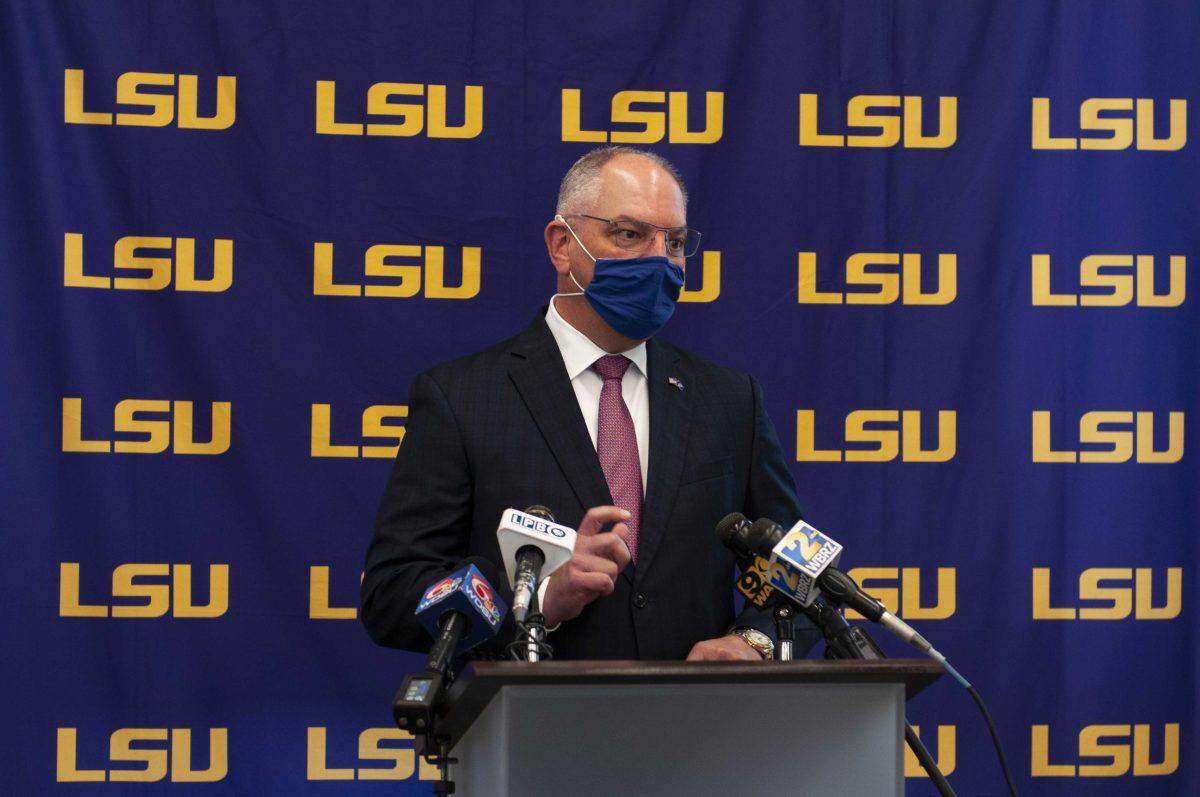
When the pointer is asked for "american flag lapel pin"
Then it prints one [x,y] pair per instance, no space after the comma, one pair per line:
[675,383]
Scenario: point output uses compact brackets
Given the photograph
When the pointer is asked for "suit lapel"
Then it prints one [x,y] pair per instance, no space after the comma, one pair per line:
[670,417]
[537,370]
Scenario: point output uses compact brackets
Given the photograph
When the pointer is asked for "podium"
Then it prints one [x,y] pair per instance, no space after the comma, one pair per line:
[582,728]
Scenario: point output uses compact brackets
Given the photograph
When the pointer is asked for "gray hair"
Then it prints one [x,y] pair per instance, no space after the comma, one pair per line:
[580,186]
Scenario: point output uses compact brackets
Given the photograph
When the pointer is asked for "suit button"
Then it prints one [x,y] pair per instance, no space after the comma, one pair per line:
[639,600]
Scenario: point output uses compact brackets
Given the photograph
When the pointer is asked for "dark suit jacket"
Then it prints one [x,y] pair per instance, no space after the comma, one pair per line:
[503,428]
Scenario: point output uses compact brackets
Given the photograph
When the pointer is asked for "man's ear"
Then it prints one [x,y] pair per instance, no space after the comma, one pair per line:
[558,240]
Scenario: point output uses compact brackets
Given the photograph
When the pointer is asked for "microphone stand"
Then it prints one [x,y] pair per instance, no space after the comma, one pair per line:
[845,641]
[785,631]
[535,626]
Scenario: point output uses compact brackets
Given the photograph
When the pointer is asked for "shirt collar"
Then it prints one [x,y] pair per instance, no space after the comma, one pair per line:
[578,350]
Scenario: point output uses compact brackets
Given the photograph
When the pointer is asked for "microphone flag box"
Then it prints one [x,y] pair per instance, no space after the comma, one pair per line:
[754,582]
[518,529]
[468,592]
[799,558]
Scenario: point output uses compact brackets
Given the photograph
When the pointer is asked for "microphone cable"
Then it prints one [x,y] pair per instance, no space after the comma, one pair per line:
[518,649]
[987,717]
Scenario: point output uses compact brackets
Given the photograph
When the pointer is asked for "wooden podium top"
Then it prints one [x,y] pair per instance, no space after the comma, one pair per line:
[481,680]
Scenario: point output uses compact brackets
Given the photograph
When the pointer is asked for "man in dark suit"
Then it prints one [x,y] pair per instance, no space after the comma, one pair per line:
[638,444]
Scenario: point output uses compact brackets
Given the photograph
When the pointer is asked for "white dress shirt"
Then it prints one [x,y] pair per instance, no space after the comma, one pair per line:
[578,353]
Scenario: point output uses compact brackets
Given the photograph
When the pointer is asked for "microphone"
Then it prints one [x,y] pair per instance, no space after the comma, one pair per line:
[801,564]
[460,611]
[795,558]
[840,587]
[753,583]
[533,546]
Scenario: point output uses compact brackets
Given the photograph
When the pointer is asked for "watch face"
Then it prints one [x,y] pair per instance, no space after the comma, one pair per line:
[757,640]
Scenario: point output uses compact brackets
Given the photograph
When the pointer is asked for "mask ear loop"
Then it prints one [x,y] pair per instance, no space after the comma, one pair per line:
[557,217]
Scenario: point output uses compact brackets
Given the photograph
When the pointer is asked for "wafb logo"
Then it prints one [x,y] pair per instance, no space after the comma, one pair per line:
[649,123]
[161,259]
[1111,281]
[882,278]
[410,108]
[1122,118]
[158,105]
[320,606]
[374,427]
[399,277]
[388,750]
[755,582]
[1105,751]
[153,434]
[1110,593]
[157,750]
[145,590]
[876,429]
[899,589]
[878,112]
[1114,436]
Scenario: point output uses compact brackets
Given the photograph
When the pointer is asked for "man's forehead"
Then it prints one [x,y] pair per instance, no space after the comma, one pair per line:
[636,187]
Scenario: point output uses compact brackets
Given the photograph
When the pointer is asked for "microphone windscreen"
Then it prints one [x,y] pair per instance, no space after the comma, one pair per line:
[728,526]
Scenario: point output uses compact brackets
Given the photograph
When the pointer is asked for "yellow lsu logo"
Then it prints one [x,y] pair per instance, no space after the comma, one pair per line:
[945,753]
[169,589]
[1118,753]
[374,744]
[653,123]
[319,605]
[888,442]
[153,748]
[374,427]
[157,434]
[1129,593]
[1116,431]
[884,277]
[709,287]
[401,280]
[1115,129]
[899,589]
[130,254]
[1116,280]
[873,112]
[161,107]
[410,107]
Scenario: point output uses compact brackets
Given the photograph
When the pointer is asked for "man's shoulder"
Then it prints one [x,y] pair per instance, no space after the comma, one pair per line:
[489,362]
[706,369]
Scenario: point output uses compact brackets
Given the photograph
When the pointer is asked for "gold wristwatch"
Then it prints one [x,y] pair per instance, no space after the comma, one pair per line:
[757,640]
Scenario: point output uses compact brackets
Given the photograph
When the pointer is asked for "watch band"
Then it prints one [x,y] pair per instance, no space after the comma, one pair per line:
[757,640]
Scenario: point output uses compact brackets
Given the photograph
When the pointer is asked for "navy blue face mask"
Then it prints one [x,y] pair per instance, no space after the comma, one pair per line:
[634,295]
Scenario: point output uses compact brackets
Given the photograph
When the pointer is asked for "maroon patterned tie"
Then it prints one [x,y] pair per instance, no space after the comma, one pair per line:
[616,444]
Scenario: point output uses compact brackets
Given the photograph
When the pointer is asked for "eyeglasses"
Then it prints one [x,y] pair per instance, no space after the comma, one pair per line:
[634,234]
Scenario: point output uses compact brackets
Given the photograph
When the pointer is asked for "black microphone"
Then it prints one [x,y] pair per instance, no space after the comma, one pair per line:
[459,611]
[755,581]
[761,539]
